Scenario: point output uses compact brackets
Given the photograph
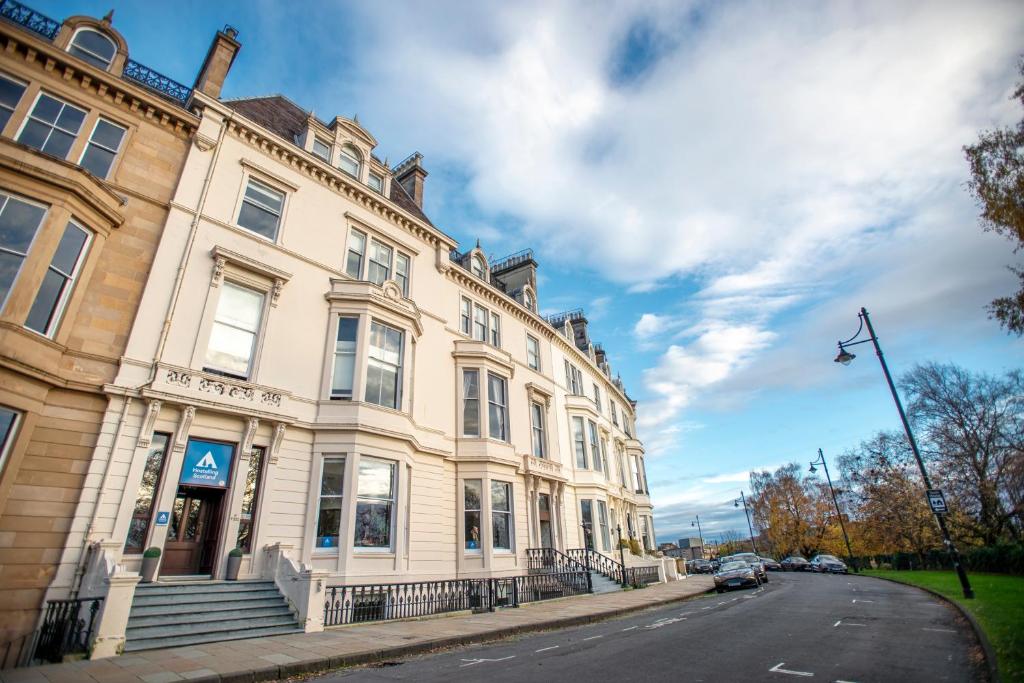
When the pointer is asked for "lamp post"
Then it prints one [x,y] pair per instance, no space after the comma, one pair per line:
[622,554]
[849,550]
[844,357]
[746,513]
[699,533]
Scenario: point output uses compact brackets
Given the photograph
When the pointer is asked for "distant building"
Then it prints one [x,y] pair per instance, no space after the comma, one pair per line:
[691,548]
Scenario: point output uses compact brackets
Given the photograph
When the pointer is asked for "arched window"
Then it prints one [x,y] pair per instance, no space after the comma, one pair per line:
[93,47]
[349,160]
[528,300]
[478,267]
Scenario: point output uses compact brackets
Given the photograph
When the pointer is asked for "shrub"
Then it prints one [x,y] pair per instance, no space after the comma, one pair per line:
[634,547]
[152,551]
[235,552]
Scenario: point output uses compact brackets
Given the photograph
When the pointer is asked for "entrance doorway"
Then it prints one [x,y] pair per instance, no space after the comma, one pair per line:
[544,516]
[194,533]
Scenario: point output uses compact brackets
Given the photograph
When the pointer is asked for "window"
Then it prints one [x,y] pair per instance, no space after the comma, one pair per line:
[643,475]
[52,126]
[480,318]
[8,425]
[477,266]
[471,403]
[328,516]
[384,371]
[625,425]
[59,280]
[615,413]
[597,397]
[622,465]
[235,327]
[498,407]
[473,492]
[639,476]
[322,149]
[495,330]
[402,272]
[250,499]
[344,358]
[604,460]
[528,301]
[142,514]
[646,532]
[533,353]
[501,515]
[104,144]
[93,47]
[537,420]
[579,443]
[573,379]
[261,209]
[19,222]
[349,161]
[466,316]
[595,448]
[375,502]
[375,182]
[356,251]
[10,94]
[380,263]
[602,521]
[587,521]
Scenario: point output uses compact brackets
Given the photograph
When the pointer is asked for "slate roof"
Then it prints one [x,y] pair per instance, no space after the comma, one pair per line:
[280,115]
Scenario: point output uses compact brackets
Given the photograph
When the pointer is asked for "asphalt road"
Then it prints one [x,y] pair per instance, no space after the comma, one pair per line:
[800,626]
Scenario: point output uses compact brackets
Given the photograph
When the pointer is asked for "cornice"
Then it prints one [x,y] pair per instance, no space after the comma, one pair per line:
[386,297]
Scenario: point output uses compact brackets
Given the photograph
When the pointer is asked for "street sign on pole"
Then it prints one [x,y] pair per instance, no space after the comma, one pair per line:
[937,501]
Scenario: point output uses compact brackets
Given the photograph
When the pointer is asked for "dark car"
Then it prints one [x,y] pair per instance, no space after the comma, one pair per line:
[738,574]
[827,564]
[771,565]
[795,563]
[751,559]
[699,567]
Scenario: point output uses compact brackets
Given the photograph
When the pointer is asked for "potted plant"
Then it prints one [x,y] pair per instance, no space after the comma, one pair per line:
[234,564]
[150,563]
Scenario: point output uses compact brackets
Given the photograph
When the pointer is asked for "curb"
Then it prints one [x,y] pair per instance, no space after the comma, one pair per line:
[325,664]
[979,633]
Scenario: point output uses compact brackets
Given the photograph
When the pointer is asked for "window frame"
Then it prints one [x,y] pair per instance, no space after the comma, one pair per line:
[534,362]
[8,438]
[116,152]
[91,29]
[254,508]
[478,267]
[595,446]
[465,401]
[249,179]
[323,157]
[509,514]
[466,316]
[503,408]
[336,394]
[482,326]
[24,87]
[466,510]
[60,305]
[538,429]
[495,332]
[399,367]
[7,196]
[356,157]
[258,333]
[335,549]
[579,440]
[370,177]
[597,397]
[29,118]
[392,501]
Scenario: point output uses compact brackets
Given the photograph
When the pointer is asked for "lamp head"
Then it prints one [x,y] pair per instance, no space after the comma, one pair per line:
[813,469]
[844,357]
[735,503]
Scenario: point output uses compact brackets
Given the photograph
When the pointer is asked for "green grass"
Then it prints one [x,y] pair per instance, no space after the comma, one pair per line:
[998,606]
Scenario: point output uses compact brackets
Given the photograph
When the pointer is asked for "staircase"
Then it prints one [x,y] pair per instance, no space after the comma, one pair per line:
[175,614]
[603,576]
[602,584]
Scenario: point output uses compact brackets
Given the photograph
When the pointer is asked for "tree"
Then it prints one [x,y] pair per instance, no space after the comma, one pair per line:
[971,427]
[793,513]
[997,183]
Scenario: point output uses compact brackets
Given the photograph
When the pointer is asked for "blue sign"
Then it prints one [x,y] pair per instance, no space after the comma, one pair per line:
[162,518]
[207,464]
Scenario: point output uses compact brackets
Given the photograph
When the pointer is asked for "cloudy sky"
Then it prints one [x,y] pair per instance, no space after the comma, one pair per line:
[721,185]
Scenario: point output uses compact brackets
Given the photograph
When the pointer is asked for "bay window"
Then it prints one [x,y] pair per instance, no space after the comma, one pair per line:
[328,516]
[235,328]
[480,318]
[375,502]
[384,366]
[595,448]
[471,403]
[356,252]
[501,516]
[497,407]
[344,357]
[579,443]
[19,222]
[602,520]
[48,307]
[472,506]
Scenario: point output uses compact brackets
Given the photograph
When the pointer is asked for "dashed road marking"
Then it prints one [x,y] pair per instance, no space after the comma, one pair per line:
[704,608]
[837,623]
[630,628]
[778,670]
[939,630]
[855,601]
[545,649]
[594,637]
[471,662]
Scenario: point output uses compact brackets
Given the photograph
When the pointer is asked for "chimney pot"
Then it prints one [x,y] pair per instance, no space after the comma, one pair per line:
[219,59]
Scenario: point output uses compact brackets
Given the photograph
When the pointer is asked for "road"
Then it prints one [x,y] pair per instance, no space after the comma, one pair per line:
[799,626]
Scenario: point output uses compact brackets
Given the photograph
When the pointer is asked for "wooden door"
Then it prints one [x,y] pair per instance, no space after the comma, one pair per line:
[192,536]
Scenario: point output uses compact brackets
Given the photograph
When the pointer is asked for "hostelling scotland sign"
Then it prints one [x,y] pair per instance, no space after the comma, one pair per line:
[207,464]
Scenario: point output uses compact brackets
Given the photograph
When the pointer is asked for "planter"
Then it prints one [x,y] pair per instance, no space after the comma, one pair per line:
[234,564]
[149,567]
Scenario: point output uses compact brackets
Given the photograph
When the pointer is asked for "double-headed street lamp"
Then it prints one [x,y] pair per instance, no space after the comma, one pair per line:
[845,357]
[699,533]
[746,513]
[821,461]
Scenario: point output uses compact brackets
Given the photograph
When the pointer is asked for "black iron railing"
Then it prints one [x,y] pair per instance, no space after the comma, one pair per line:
[67,628]
[548,560]
[558,319]
[157,82]
[637,577]
[27,17]
[506,262]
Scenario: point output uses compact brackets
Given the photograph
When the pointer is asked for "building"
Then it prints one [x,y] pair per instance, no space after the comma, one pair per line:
[691,548]
[91,148]
[320,379]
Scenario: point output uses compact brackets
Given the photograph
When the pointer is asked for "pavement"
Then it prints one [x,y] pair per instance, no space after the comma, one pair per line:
[272,658]
[800,626]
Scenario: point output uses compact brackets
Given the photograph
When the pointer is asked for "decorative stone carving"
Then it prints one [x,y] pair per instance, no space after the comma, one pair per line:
[188,414]
[146,434]
[275,292]
[392,290]
[270,398]
[203,142]
[212,386]
[275,442]
[182,379]
[250,433]
[241,392]
[218,271]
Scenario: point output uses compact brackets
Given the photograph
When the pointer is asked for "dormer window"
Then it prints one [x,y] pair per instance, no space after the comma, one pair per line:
[478,268]
[349,160]
[322,149]
[528,300]
[376,183]
[93,47]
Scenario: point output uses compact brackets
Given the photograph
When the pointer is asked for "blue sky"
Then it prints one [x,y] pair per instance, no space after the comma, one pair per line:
[720,185]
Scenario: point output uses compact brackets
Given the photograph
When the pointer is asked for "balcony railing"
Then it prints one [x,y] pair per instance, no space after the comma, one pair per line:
[157,82]
[511,260]
[558,319]
[27,17]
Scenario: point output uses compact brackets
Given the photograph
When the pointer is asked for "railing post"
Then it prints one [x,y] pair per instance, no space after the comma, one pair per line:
[590,581]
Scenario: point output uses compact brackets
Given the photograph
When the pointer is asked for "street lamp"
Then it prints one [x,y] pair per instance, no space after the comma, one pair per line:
[746,513]
[821,461]
[622,554]
[699,533]
[844,357]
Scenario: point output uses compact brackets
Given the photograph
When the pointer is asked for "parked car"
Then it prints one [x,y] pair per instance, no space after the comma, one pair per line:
[827,564]
[699,566]
[771,565]
[751,559]
[795,563]
[738,574]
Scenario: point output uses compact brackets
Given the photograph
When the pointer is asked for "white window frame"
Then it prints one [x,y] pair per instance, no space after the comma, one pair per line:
[602,522]
[466,316]
[465,399]
[538,430]
[615,413]
[478,267]
[355,156]
[324,157]
[260,182]
[317,549]
[375,182]
[400,367]
[350,249]
[579,440]
[371,261]
[503,406]
[400,277]
[120,144]
[90,29]
[480,327]
[257,333]
[53,126]
[495,330]
[597,397]
[510,513]
[335,394]
[533,354]
[71,279]
[595,446]
[393,500]
[480,517]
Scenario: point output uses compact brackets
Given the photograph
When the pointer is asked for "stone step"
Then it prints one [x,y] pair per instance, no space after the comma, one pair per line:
[237,625]
[145,600]
[164,618]
[199,638]
[167,608]
[202,587]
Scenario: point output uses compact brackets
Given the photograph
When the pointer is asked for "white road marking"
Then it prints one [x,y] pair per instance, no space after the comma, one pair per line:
[630,628]
[842,681]
[939,630]
[594,637]
[855,601]
[704,608]
[777,670]
[545,649]
[734,600]
[471,662]
[720,604]
[837,623]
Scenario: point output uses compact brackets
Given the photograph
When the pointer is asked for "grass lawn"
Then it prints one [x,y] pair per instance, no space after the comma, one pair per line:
[998,606]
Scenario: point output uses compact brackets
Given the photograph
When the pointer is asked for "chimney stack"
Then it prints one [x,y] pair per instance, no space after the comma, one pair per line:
[410,175]
[223,50]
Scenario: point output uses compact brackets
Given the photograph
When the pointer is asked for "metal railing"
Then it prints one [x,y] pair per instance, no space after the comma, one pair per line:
[157,82]
[638,577]
[27,17]
[67,628]
[548,560]
[602,564]
[511,260]
[558,319]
